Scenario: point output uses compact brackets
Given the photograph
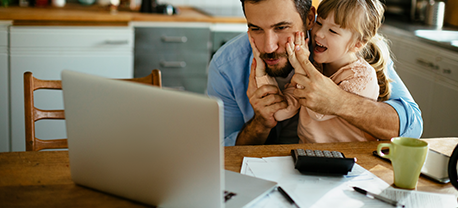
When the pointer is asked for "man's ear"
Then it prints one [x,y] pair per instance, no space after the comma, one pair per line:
[311,18]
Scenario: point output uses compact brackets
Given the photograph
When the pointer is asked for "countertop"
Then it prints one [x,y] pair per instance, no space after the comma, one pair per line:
[76,14]
[409,29]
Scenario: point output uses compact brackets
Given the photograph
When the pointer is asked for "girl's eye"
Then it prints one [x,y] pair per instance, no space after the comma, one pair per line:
[332,31]
[282,27]
[318,23]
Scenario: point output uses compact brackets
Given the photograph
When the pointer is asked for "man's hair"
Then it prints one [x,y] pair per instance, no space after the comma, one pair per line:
[302,7]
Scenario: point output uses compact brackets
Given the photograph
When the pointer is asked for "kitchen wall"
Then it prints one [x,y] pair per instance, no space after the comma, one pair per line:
[203,3]
[451,16]
[220,3]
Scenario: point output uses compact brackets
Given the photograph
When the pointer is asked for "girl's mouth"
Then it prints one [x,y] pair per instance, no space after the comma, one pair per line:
[320,48]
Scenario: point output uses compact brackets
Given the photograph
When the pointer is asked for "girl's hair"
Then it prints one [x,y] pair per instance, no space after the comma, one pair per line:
[363,17]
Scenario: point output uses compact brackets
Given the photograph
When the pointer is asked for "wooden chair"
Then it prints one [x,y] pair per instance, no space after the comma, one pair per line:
[33,114]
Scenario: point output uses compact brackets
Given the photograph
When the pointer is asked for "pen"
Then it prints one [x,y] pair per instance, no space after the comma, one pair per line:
[378,197]
[290,200]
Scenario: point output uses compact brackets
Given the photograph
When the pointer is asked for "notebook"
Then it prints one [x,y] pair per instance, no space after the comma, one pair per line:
[156,146]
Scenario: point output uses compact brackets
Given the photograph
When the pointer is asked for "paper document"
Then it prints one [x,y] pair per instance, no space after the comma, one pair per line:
[331,191]
[420,199]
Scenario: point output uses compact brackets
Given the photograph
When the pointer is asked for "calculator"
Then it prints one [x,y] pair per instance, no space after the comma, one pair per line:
[321,162]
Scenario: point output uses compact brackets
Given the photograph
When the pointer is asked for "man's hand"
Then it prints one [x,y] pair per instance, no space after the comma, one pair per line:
[265,101]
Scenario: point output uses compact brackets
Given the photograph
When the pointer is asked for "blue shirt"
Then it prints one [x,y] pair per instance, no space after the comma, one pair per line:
[228,77]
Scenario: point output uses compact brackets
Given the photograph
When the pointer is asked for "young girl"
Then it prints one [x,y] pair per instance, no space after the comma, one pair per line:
[348,50]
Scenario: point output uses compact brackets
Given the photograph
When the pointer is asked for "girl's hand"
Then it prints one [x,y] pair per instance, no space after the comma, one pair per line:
[260,66]
[297,49]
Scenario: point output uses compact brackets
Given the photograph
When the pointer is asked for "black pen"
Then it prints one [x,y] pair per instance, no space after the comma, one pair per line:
[290,200]
[378,197]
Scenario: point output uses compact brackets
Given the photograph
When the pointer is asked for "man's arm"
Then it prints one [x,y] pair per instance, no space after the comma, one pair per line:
[376,118]
[410,120]
[253,132]
[322,95]
[219,86]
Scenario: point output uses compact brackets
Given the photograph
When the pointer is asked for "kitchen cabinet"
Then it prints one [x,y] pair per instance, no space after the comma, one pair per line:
[431,75]
[223,32]
[4,86]
[180,50]
[46,51]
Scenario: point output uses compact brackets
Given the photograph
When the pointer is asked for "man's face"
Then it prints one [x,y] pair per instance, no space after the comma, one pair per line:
[270,23]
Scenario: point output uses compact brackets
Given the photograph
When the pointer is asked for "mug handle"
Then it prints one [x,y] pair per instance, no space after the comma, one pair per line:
[452,173]
[379,150]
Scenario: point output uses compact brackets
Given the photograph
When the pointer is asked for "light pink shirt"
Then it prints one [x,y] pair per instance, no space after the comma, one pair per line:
[358,77]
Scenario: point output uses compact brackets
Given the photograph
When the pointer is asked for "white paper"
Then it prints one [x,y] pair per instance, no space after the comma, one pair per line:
[326,191]
[420,198]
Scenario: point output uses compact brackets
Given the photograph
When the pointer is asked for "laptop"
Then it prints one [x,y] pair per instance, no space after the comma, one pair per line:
[160,147]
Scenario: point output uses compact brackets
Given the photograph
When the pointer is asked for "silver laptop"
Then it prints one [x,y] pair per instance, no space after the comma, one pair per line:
[156,146]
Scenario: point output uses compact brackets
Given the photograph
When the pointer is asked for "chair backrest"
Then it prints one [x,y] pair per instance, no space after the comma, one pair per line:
[33,114]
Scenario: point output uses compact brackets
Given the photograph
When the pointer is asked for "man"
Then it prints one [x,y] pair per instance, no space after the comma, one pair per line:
[248,110]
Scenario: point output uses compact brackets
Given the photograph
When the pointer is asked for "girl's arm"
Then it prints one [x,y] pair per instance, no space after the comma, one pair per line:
[300,43]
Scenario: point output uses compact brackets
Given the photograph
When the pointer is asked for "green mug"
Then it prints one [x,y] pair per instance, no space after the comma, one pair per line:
[407,156]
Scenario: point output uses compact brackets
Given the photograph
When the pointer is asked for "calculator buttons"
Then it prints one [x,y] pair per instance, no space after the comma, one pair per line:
[321,161]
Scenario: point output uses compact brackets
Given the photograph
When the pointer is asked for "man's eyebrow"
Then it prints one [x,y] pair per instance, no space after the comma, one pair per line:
[282,24]
[252,25]
[274,25]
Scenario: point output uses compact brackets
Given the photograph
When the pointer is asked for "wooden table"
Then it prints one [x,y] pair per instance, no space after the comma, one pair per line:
[42,179]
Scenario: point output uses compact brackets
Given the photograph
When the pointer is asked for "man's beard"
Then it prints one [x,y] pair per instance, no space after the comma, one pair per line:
[276,71]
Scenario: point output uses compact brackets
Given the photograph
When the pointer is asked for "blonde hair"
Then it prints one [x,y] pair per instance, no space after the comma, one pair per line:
[363,17]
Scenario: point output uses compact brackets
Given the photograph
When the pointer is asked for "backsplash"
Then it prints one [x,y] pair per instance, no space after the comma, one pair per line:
[203,3]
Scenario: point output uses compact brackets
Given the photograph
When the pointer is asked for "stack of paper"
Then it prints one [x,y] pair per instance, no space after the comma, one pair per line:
[333,191]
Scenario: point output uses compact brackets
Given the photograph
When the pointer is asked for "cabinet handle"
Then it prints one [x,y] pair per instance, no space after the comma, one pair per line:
[174,39]
[116,42]
[173,64]
[427,64]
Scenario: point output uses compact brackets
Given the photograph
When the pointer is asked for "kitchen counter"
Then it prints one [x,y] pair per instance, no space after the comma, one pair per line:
[413,30]
[73,14]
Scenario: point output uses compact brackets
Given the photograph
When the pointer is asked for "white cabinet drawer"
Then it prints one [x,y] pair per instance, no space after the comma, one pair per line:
[419,56]
[4,33]
[72,37]
[3,37]
[449,67]
[4,26]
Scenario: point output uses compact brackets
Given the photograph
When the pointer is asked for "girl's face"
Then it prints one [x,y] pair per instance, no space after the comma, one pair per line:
[330,43]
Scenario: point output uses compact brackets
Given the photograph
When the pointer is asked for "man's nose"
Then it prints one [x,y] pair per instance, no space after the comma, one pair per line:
[270,43]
